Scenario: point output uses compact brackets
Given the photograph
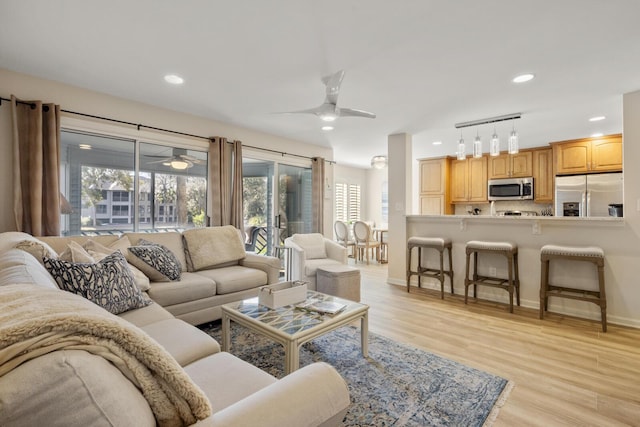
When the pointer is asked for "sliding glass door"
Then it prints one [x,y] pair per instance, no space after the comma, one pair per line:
[277,203]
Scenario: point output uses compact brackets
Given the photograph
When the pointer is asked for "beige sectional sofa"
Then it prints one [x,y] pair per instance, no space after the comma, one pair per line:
[65,361]
[225,273]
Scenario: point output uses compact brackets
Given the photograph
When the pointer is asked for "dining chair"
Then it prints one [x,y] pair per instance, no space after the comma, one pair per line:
[365,241]
[342,236]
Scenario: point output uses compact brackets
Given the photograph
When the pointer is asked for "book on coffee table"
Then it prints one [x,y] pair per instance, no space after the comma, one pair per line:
[324,307]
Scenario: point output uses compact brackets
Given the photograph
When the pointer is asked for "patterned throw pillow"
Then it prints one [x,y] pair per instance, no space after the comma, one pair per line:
[108,283]
[156,261]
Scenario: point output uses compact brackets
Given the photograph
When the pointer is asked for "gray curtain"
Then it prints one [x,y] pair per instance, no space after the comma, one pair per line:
[225,181]
[36,172]
[317,194]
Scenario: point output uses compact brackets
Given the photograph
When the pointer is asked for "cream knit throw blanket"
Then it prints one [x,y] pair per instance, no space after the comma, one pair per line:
[36,320]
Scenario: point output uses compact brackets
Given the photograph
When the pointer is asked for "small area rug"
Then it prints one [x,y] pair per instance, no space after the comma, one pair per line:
[397,385]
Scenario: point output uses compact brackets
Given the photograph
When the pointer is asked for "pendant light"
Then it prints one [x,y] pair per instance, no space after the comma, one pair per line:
[461,149]
[494,147]
[513,142]
[477,146]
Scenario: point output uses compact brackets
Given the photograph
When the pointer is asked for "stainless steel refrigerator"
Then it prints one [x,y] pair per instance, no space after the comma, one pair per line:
[587,195]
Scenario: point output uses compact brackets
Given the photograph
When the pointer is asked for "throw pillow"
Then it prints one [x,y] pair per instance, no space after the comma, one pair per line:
[76,253]
[107,283]
[99,251]
[156,261]
[38,249]
[212,246]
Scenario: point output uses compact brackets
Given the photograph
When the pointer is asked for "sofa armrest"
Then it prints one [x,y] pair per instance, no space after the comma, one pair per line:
[268,264]
[335,251]
[313,395]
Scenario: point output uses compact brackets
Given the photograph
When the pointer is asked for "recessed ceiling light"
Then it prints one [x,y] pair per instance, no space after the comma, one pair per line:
[597,118]
[327,127]
[173,79]
[437,142]
[84,146]
[596,135]
[523,78]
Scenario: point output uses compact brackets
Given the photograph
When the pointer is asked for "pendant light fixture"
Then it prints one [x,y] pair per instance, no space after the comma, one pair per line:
[461,149]
[477,146]
[513,142]
[494,146]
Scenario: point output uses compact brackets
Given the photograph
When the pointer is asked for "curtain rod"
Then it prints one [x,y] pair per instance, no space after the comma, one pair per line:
[140,126]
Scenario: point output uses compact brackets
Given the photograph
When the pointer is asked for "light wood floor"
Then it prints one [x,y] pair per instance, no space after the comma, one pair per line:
[565,370]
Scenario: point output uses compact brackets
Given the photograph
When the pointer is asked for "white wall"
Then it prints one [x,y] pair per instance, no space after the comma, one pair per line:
[89,102]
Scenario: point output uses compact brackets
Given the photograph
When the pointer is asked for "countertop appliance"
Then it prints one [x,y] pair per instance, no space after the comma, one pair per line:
[588,195]
[510,189]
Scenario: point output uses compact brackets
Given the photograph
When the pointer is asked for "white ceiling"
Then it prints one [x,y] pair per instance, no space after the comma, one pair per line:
[420,65]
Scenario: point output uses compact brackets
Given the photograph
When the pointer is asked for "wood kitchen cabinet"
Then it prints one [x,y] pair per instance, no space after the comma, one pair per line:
[435,194]
[588,155]
[511,165]
[469,180]
[542,161]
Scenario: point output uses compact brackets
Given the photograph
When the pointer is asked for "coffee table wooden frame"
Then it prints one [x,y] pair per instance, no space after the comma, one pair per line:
[293,342]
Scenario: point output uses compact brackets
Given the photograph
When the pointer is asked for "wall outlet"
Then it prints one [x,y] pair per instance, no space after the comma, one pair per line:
[536,228]
[492,271]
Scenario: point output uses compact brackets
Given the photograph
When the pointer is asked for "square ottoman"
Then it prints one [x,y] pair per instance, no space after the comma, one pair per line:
[342,281]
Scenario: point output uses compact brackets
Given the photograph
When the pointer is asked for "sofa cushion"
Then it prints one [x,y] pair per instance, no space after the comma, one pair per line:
[18,266]
[312,244]
[99,251]
[235,278]
[226,379]
[71,388]
[108,283]
[146,315]
[191,287]
[312,265]
[171,240]
[9,239]
[184,342]
[212,246]
[156,261]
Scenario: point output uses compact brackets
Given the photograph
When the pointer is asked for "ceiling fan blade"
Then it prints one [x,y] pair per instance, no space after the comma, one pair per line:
[164,160]
[333,83]
[316,111]
[352,112]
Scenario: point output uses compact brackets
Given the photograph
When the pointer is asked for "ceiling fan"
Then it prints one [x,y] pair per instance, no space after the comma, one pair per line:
[329,111]
[179,160]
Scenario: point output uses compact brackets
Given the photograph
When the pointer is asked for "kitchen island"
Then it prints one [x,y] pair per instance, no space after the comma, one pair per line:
[530,233]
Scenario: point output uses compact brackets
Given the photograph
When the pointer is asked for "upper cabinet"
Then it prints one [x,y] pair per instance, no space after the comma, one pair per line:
[588,155]
[469,180]
[511,165]
[543,175]
[435,194]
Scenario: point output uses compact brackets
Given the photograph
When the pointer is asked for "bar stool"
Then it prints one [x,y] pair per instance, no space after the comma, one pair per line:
[591,254]
[439,244]
[511,284]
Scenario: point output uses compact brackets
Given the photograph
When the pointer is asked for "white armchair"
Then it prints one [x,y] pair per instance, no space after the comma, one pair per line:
[310,251]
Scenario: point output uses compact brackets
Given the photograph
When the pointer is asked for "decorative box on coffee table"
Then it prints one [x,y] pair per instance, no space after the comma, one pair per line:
[340,280]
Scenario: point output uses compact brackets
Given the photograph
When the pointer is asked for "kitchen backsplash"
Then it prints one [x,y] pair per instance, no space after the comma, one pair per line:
[503,205]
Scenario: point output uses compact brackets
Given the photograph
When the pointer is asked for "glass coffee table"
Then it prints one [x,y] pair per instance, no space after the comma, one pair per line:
[292,326]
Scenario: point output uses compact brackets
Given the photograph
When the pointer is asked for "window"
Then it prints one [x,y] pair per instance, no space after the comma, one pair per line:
[385,202]
[120,196]
[120,210]
[347,202]
[110,196]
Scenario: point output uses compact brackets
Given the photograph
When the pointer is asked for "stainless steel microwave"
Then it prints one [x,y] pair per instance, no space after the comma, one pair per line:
[511,189]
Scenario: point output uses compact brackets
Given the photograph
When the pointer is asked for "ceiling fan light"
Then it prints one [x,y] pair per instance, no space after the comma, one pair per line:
[179,164]
[379,162]
[328,117]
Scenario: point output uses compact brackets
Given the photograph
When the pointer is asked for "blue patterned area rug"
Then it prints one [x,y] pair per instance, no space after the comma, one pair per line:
[397,385]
